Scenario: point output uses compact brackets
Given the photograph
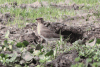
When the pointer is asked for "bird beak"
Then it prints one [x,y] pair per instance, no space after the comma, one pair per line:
[37,19]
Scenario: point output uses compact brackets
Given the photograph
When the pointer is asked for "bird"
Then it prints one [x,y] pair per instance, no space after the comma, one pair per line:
[46,33]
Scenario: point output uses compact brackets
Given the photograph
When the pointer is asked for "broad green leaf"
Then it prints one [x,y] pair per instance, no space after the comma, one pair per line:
[42,58]
[4,48]
[7,34]
[91,40]
[10,46]
[25,43]
[5,42]
[96,64]
[31,51]
[20,45]
[13,56]
[2,55]
[77,59]
[18,65]
[39,47]
[49,60]
[98,41]
[0,48]
[89,59]
[91,43]
[36,52]
[49,53]
[38,66]
[27,56]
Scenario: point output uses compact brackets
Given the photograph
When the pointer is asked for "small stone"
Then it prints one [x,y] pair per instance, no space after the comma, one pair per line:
[35,5]
[23,6]
[7,14]
[45,3]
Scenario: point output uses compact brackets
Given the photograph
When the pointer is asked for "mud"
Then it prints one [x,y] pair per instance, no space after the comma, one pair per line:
[5,18]
[37,4]
[64,60]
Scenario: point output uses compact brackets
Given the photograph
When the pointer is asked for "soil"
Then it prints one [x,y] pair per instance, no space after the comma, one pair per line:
[78,27]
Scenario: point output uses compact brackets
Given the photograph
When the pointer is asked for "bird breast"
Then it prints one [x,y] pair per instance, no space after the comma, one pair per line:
[38,28]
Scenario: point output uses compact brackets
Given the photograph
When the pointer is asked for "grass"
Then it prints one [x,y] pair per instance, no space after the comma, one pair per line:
[54,1]
[48,13]
[29,1]
[91,2]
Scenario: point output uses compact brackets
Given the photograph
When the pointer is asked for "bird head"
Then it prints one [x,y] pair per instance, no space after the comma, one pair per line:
[39,20]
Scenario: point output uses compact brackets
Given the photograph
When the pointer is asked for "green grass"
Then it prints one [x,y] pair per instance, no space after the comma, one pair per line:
[48,13]
[91,2]
[29,1]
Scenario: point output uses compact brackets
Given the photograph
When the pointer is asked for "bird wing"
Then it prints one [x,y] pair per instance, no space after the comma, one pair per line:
[49,34]
[46,30]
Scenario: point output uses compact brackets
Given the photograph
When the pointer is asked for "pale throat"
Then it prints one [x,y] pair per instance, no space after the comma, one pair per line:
[38,28]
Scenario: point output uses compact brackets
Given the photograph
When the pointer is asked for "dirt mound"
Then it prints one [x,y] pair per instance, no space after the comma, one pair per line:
[62,5]
[9,5]
[64,60]
[18,34]
[33,5]
[80,20]
[66,6]
[5,18]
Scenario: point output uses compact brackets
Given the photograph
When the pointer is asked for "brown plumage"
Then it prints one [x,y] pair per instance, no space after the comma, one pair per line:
[44,32]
